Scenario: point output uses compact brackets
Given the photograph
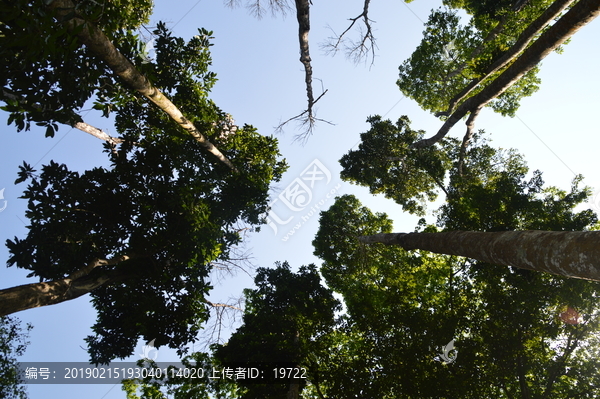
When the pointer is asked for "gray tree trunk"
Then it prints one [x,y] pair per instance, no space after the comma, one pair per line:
[79,283]
[525,38]
[567,253]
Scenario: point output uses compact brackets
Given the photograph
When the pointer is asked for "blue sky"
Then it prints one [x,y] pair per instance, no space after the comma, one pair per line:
[261,82]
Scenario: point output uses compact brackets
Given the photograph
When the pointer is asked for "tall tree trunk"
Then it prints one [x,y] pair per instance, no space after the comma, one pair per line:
[566,253]
[102,47]
[81,282]
[525,38]
[516,8]
[576,18]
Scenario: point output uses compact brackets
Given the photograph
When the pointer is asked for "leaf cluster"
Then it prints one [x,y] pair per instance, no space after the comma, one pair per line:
[13,342]
[385,163]
[494,194]
[287,320]
[402,308]
[451,56]
[39,57]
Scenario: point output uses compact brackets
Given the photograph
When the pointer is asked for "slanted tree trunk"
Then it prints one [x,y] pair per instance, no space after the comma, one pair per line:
[567,253]
[81,282]
[582,13]
[102,47]
[525,38]
[490,37]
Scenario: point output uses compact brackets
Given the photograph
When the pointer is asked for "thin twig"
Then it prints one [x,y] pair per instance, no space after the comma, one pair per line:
[356,49]
[307,119]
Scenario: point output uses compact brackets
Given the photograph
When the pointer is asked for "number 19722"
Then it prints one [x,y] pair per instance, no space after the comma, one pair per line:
[289,372]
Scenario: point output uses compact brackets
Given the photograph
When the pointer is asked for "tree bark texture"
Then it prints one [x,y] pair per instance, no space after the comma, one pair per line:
[99,44]
[303,16]
[567,253]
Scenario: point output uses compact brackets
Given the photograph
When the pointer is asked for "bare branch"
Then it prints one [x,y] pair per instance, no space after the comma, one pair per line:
[238,260]
[258,9]
[232,3]
[303,16]
[307,121]
[356,50]
[225,316]
[440,184]
[222,305]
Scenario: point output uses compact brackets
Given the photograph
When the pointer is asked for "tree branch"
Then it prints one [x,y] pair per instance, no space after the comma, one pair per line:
[84,127]
[356,50]
[467,139]
[100,134]
[256,8]
[99,44]
[440,184]
[96,263]
[213,331]
[307,119]
[221,305]
[576,18]
[81,282]
[525,38]
[573,254]
[437,181]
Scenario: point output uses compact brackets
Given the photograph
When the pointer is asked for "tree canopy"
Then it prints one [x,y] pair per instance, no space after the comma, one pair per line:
[288,321]
[425,325]
[384,163]
[507,326]
[141,234]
